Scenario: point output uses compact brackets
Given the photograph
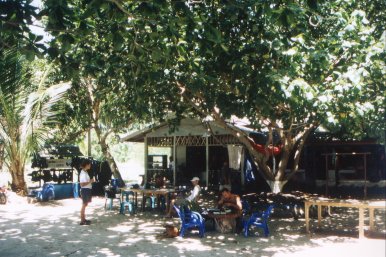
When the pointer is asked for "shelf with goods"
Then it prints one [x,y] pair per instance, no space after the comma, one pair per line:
[157,166]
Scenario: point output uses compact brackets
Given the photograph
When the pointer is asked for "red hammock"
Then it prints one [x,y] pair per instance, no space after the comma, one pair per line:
[275,150]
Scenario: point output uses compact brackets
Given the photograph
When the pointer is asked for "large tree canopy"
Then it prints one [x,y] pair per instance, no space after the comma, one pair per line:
[287,66]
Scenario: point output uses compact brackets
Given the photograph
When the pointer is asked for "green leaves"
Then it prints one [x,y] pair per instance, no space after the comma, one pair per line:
[213,34]
[281,61]
[16,17]
[67,40]
[118,41]
[27,110]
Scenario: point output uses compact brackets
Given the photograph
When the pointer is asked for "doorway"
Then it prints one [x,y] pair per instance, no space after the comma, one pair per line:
[195,161]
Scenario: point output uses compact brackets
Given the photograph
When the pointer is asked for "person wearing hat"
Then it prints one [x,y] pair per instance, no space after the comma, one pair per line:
[190,200]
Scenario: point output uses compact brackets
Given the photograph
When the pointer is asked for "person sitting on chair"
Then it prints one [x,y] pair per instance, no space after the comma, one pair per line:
[190,200]
[231,221]
[229,200]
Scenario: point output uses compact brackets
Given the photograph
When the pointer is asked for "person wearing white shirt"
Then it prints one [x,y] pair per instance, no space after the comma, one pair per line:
[194,194]
[190,199]
[171,163]
[86,187]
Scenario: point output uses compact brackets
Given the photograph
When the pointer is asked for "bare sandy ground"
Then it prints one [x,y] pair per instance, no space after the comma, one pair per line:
[52,229]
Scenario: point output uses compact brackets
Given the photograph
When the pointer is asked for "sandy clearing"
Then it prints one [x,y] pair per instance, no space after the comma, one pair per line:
[51,229]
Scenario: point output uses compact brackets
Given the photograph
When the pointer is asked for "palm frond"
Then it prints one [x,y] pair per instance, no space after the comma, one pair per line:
[13,82]
[24,115]
[41,110]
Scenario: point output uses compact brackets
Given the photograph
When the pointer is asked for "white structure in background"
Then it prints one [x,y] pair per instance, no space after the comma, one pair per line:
[201,135]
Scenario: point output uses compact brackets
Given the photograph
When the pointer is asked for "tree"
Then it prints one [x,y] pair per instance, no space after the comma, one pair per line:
[25,113]
[287,66]
[100,50]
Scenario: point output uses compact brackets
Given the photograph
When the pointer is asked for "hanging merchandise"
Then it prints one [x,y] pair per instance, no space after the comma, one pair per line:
[234,153]
[55,177]
[248,171]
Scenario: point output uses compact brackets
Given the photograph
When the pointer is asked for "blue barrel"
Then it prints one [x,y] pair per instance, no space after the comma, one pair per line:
[76,189]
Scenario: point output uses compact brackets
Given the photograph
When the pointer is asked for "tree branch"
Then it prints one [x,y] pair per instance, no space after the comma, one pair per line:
[105,135]
[300,140]
[120,7]
[260,159]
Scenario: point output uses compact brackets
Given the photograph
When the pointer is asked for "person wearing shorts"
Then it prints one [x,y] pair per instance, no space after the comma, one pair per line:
[86,190]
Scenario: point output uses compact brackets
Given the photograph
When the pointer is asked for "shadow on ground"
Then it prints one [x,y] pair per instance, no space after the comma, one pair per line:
[52,229]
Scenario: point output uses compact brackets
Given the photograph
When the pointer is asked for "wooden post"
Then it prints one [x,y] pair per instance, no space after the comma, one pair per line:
[319,215]
[174,161]
[365,167]
[361,222]
[307,215]
[207,161]
[327,175]
[146,154]
[371,214]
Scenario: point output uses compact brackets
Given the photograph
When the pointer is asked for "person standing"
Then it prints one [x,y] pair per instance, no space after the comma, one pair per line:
[86,190]
[171,163]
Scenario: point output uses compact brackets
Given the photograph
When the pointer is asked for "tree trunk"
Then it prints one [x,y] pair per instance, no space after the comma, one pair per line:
[292,144]
[18,184]
[278,173]
[291,140]
[95,103]
[106,153]
[276,185]
[1,156]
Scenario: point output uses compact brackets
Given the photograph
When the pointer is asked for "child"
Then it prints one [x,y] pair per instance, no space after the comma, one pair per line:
[85,191]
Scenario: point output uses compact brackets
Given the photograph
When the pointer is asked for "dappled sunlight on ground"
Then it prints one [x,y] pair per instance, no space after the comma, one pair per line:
[52,229]
[357,248]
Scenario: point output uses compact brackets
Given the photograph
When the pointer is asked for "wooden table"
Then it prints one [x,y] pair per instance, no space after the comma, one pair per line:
[156,192]
[218,216]
[360,204]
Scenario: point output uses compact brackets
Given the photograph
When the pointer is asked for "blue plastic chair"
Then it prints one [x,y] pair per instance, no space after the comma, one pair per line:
[258,219]
[246,207]
[152,201]
[190,219]
[162,199]
[110,196]
[127,201]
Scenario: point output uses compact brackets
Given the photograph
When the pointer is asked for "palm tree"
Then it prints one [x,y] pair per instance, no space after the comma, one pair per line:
[25,114]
